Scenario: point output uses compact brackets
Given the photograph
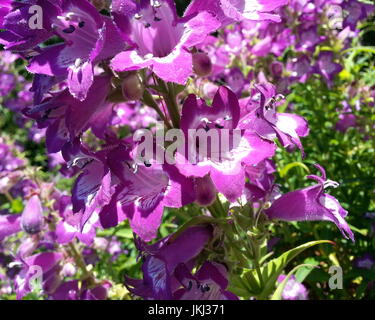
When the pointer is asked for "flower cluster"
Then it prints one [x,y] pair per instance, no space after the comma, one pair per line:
[118,88]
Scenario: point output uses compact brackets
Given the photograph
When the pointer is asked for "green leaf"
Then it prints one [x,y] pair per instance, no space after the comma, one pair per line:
[271,271]
[303,272]
[17,205]
[283,172]
[362,232]
[126,233]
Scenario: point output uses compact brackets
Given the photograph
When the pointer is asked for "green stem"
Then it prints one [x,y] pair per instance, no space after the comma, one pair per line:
[213,210]
[150,101]
[87,275]
[217,208]
[220,207]
[8,196]
[169,95]
[256,256]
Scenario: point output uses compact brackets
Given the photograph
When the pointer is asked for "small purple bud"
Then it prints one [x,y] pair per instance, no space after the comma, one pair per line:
[205,190]
[32,216]
[276,68]
[202,64]
[132,87]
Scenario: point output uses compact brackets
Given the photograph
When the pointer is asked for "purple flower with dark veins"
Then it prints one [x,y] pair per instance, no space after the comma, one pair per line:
[70,226]
[67,117]
[161,260]
[143,190]
[261,180]
[209,283]
[88,38]
[218,147]
[91,189]
[260,116]
[310,204]
[14,19]
[159,39]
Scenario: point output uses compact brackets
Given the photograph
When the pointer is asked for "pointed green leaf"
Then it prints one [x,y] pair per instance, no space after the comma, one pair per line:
[271,271]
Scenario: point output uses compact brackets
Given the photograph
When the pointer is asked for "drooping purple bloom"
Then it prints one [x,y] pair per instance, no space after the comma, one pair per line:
[67,117]
[261,180]
[276,69]
[89,38]
[143,191]
[261,117]
[70,227]
[209,283]
[159,39]
[202,64]
[310,204]
[161,260]
[27,247]
[218,55]
[263,47]
[92,187]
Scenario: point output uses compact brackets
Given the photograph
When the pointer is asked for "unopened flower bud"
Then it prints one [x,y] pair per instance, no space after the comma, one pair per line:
[132,87]
[202,64]
[32,216]
[205,190]
[276,69]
